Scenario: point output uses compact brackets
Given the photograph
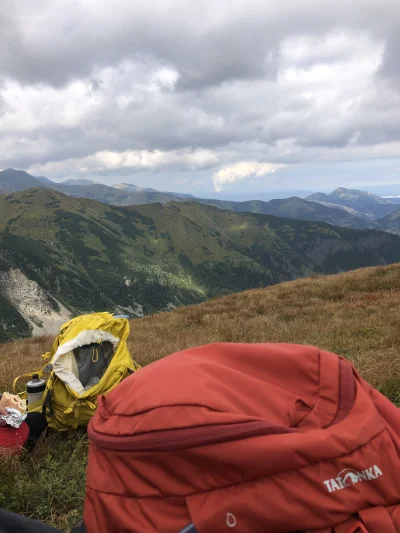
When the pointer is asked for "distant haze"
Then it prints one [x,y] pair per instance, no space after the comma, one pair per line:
[209,97]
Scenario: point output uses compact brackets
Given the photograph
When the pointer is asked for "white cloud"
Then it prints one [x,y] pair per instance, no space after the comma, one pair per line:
[30,108]
[242,171]
[133,160]
[197,85]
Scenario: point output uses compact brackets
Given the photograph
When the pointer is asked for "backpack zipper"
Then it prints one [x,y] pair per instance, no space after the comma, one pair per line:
[183,438]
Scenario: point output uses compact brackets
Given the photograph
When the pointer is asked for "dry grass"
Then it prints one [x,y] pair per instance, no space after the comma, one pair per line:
[356,315]
[19,357]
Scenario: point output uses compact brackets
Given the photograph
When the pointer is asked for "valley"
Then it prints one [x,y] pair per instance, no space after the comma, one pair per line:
[77,255]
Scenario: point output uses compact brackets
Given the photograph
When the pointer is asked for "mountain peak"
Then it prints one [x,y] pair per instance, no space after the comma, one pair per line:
[14,172]
[12,180]
[353,192]
[365,203]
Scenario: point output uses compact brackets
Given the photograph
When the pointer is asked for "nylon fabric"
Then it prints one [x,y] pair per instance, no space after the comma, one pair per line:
[331,463]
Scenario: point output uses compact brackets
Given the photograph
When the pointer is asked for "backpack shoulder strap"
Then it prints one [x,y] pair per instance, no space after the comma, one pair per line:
[46,369]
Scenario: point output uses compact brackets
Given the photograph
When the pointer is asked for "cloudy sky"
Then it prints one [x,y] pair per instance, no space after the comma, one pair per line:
[217,96]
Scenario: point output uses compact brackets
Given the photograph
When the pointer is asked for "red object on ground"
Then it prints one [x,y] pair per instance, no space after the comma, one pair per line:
[13,440]
[246,438]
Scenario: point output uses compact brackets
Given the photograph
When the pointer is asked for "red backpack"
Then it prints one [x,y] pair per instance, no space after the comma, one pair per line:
[244,438]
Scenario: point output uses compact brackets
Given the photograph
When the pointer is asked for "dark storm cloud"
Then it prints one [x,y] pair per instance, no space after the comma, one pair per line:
[209,42]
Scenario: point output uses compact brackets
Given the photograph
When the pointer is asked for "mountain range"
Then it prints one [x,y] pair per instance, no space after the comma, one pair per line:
[365,204]
[121,194]
[343,207]
[391,223]
[61,255]
[297,208]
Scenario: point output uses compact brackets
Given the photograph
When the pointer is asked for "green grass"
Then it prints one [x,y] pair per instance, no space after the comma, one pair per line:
[49,484]
[81,251]
[356,315]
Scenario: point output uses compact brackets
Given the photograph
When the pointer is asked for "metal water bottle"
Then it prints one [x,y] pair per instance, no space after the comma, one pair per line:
[35,388]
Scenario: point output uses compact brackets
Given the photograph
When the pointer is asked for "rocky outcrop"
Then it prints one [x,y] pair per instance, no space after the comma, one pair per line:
[136,311]
[41,311]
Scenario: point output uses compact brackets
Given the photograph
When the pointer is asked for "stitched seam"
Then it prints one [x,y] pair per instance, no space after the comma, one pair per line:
[165,406]
[248,481]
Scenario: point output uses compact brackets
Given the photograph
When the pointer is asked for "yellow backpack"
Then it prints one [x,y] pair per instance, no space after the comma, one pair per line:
[88,358]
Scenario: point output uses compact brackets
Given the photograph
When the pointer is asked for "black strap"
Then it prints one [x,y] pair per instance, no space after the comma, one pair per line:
[10,522]
[79,527]
[48,403]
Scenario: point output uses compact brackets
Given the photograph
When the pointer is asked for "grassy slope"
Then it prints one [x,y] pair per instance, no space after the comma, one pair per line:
[356,314]
[110,195]
[81,251]
[376,207]
[292,207]
[391,222]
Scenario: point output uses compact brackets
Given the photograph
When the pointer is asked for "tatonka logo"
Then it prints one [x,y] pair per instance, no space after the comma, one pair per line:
[349,477]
